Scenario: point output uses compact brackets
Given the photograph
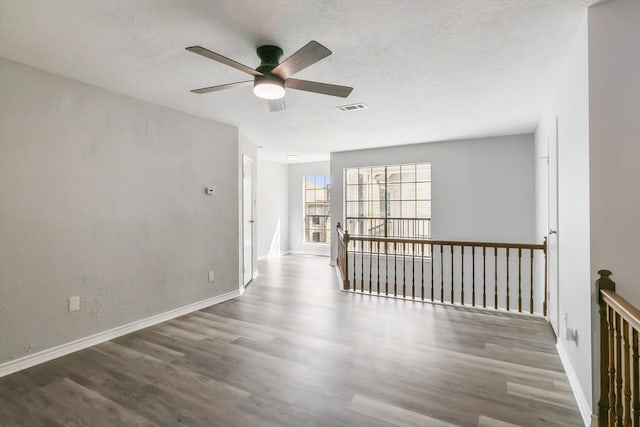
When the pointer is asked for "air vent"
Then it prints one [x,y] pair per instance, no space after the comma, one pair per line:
[351,107]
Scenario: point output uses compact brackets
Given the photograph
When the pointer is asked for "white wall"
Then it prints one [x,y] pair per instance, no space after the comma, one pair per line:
[570,105]
[614,85]
[273,209]
[102,196]
[297,172]
[483,189]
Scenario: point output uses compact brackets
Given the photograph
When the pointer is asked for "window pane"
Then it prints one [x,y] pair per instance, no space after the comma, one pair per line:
[352,192]
[409,209]
[424,190]
[423,172]
[424,209]
[393,174]
[378,175]
[394,209]
[408,173]
[309,182]
[408,190]
[351,176]
[394,191]
[352,209]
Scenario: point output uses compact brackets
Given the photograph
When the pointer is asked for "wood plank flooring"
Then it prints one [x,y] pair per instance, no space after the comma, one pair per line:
[295,351]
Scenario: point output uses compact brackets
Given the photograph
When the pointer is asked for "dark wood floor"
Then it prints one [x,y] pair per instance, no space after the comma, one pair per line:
[296,351]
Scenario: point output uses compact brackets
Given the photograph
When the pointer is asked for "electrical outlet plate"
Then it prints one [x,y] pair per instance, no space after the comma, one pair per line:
[212,276]
[74,303]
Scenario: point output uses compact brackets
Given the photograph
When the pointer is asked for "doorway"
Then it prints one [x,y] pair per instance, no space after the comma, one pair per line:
[247,221]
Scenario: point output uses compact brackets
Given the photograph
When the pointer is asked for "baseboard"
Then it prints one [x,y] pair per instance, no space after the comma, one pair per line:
[305,252]
[281,253]
[583,403]
[71,347]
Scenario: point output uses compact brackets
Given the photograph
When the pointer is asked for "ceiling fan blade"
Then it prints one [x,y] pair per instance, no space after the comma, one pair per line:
[222,87]
[223,59]
[309,54]
[276,105]
[317,87]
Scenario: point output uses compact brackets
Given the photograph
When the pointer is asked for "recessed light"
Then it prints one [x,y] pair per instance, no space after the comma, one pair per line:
[292,157]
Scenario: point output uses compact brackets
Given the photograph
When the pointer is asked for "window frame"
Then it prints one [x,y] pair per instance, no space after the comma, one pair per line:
[309,226]
[419,222]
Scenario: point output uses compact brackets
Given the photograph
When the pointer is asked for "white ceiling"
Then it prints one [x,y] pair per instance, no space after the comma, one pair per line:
[427,69]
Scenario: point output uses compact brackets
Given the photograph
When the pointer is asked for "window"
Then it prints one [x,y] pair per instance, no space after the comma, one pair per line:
[317,209]
[389,201]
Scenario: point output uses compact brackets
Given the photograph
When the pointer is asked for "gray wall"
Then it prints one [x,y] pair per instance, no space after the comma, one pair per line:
[570,106]
[483,189]
[614,33]
[102,196]
[297,172]
[273,209]
[614,91]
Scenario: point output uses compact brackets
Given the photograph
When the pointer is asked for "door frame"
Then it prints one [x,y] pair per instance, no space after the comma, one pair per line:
[247,163]
[553,236]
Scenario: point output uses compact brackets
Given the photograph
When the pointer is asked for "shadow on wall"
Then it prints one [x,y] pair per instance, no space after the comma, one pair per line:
[274,248]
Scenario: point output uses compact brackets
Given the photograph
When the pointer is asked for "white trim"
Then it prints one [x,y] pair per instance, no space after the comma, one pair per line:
[82,343]
[583,403]
[279,254]
[309,252]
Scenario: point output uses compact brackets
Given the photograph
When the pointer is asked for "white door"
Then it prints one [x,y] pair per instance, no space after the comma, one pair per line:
[247,221]
[552,237]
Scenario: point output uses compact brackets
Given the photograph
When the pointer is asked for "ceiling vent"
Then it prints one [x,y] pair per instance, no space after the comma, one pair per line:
[351,107]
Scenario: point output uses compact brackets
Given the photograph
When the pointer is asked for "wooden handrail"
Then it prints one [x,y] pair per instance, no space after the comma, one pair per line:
[387,266]
[619,403]
[628,312]
[534,246]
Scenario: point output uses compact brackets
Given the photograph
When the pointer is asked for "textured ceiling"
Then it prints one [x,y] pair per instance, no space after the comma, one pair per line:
[427,69]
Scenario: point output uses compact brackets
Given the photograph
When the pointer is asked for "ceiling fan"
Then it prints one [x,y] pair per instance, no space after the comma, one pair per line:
[272,77]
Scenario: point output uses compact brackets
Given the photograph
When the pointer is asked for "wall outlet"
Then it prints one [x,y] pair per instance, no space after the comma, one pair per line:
[570,334]
[209,190]
[74,303]
[212,276]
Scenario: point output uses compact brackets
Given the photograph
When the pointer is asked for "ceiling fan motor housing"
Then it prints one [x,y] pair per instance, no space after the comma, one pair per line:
[269,59]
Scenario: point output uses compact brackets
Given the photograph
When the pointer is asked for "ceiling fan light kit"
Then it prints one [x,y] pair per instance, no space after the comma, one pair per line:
[266,88]
[272,77]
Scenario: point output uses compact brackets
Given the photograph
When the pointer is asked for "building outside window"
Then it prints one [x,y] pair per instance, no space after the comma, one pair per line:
[389,201]
[317,209]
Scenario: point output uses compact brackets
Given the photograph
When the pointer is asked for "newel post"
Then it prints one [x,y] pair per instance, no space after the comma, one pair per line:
[345,282]
[604,283]
[343,254]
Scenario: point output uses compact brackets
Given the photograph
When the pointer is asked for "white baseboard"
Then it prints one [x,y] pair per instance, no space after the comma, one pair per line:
[82,343]
[279,254]
[307,252]
[295,252]
[583,403]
